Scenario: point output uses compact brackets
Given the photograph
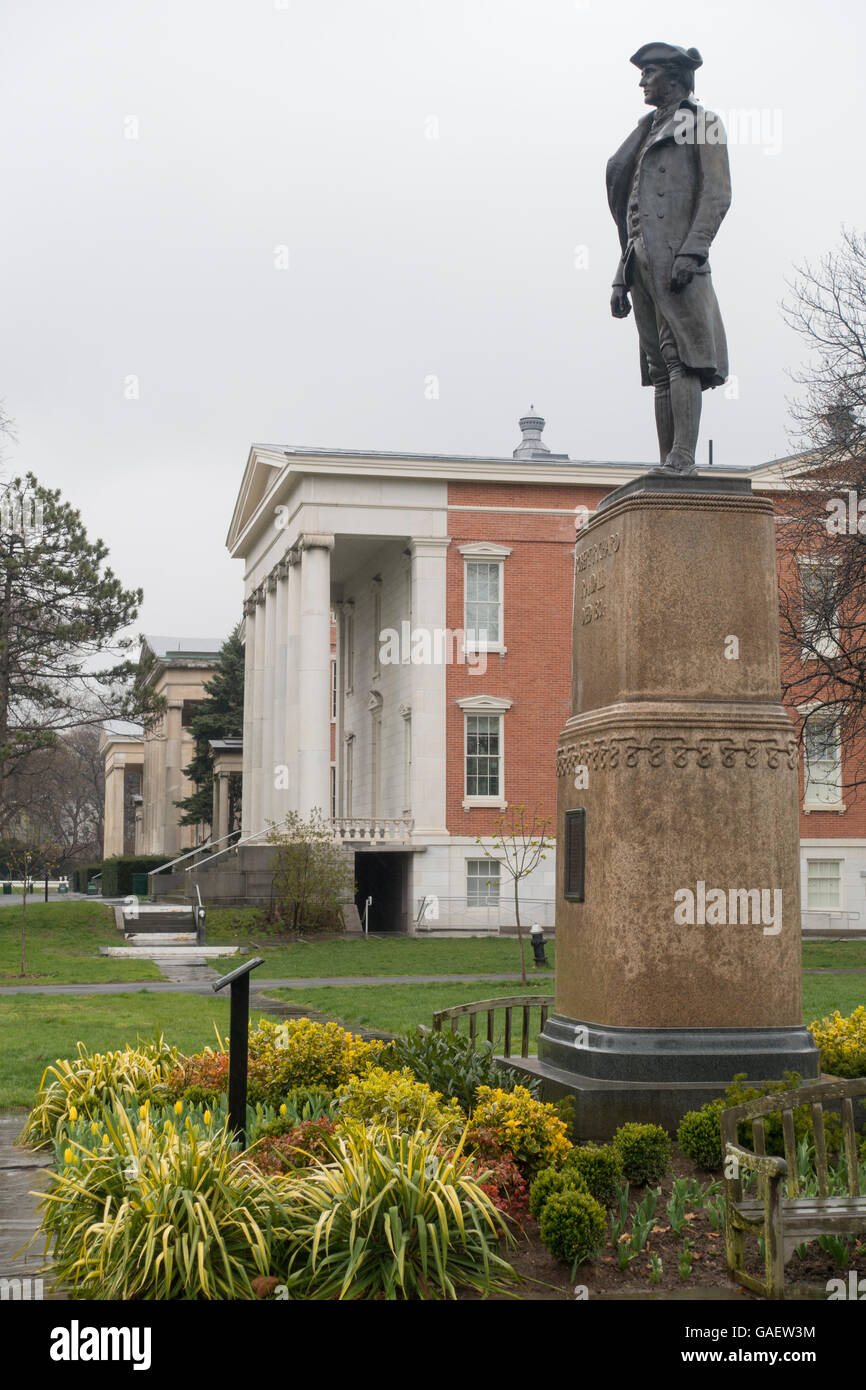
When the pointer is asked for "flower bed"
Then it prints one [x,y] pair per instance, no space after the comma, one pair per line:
[421,1169]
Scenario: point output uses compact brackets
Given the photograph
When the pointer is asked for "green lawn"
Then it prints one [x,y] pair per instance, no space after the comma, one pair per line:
[396,1008]
[824,993]
[37,1029]
[834,955]
[62,942]
[399,955]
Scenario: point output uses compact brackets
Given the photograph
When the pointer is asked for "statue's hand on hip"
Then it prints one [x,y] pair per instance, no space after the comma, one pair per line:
[620,305]
[683,271]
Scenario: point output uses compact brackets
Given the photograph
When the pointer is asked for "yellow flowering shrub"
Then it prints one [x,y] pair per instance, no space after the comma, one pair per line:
[842,1042]
[399,1103]
[303,1053]
[528,1128]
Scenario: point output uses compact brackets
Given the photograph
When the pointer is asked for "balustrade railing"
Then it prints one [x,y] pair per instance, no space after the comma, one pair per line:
[373,829]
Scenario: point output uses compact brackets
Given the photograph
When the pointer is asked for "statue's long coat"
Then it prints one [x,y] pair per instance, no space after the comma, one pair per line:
[684,191]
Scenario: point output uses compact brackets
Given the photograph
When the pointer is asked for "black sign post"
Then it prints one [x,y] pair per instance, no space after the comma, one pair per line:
[239,1031]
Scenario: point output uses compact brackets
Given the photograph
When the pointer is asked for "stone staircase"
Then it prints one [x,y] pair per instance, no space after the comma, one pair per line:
[164,931]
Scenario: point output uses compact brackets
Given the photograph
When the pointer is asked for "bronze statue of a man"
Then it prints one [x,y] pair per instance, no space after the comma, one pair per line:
[669,186]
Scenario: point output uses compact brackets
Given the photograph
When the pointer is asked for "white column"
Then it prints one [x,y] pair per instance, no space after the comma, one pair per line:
[293,645]
[280,794]
[428,700]
[114,806]
[148,791]
[173,780]
[256,813]
[249,681]
[221,782]
[268,730]
[340,710]
[314,666]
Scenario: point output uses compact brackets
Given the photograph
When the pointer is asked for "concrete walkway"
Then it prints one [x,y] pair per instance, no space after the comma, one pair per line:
[257,984]
[23,1173]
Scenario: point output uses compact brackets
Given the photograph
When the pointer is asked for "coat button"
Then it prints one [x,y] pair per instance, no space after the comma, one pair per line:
[659,214]
[660,192]
[661,168]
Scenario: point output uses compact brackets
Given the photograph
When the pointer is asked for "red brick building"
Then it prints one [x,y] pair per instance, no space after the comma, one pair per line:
[437,704]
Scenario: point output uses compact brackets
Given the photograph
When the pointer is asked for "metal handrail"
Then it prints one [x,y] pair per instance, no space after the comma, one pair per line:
[199,849]
[244,841]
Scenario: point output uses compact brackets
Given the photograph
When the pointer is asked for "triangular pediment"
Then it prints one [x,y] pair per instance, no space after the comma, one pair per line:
[264,466]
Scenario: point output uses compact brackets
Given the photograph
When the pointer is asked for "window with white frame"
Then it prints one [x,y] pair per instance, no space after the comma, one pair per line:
[823,884]
[484,755]
[482,882]
[820,612]
[483,595]
[822,772]
[483,621]
[483,750]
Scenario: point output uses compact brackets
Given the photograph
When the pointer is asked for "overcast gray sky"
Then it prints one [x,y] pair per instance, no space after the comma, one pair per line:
[436,172]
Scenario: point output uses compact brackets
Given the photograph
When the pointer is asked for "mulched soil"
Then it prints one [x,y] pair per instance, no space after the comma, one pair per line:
[544,1278]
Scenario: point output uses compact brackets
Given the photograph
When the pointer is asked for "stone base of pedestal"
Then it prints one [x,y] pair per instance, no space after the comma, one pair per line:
[655,1075]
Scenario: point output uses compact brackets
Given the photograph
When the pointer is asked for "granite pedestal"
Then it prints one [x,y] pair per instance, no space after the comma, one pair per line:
[678,898]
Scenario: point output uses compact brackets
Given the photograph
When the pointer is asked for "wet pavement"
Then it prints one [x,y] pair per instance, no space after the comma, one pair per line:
[200,986]
[24,1174]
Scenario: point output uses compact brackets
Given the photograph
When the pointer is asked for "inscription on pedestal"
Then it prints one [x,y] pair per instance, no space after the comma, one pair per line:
[592,566]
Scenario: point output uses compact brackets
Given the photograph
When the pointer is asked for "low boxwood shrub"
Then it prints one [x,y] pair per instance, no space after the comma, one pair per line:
[601,1169]
[573,1226]
[549,1181]
[531,1130]
[700,1136]
[645,1151]
[453,1064]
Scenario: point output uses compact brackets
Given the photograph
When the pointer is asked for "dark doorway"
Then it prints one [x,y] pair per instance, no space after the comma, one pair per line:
[382,876]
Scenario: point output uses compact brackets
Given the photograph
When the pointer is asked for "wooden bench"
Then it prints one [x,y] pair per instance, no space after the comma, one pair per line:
[524,1002]
[779,1214]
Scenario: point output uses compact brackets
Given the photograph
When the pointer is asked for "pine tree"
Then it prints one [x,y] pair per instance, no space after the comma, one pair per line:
[219,715]
[61,609]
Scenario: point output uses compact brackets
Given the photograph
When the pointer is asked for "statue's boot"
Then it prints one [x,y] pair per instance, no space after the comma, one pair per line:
[664,419]
[684,406]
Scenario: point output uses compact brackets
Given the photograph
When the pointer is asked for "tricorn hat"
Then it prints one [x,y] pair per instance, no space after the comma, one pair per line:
[666,53]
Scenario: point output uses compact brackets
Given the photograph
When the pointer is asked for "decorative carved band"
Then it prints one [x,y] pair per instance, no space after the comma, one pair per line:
[672,750]
[716,502]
